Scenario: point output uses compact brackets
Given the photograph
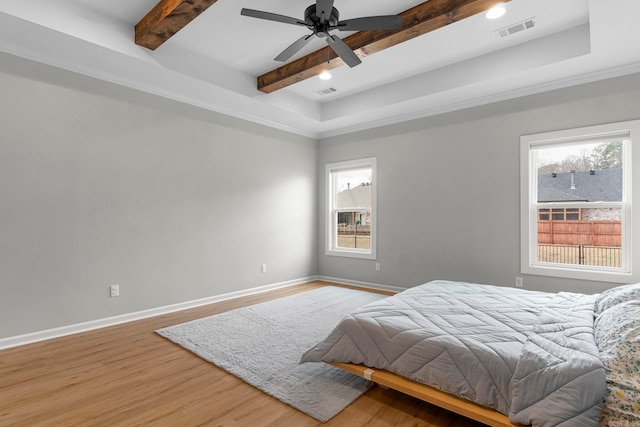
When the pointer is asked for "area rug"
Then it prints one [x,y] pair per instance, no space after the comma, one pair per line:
[262,345]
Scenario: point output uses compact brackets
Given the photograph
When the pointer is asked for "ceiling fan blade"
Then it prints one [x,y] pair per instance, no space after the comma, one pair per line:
[271,17]
[387,22]
[294,48]
[323,9]
[343,50]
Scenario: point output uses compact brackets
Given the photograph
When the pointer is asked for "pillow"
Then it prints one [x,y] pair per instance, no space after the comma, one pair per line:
[613,296]
[617,334]
[621,407]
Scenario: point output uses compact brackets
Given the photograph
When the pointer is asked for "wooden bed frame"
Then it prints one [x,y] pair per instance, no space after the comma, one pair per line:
[429,394]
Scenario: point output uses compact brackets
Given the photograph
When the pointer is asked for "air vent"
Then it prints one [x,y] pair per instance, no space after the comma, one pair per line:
[516,28]
[326,91]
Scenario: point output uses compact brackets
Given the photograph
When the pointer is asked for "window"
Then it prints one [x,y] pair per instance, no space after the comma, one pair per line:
[555,214]
[351,215]
[576,191]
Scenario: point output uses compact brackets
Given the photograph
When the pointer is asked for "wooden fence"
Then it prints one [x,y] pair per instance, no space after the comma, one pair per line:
[360,242]
[353,229]
[590,233]
[350,236]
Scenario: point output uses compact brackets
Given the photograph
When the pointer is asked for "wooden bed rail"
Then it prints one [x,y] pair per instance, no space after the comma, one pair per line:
[429,394]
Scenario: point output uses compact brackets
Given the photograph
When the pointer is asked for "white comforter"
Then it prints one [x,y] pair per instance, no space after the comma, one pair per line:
[530,355]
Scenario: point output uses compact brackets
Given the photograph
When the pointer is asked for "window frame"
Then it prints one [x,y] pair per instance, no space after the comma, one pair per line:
[331,247]
[554,211]
[529,204]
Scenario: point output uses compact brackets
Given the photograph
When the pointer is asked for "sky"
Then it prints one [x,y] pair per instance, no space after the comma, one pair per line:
[354,178]
[558,153]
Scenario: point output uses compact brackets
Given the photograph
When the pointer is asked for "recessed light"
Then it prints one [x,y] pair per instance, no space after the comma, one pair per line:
[325,75]
[496,11]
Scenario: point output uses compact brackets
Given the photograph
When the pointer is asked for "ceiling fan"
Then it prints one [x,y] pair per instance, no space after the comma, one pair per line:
[322,17]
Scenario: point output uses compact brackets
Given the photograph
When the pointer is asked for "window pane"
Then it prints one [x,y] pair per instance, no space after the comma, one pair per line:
[572,214]
[595,240]
[353,189]
[353,192]
[587,173]
[581,172]
[354,230]
[351,215]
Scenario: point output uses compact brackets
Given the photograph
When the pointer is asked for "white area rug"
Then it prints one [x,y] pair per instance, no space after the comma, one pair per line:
[262,345]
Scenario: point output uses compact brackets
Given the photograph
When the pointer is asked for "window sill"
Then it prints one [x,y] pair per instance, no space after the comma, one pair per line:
[615,276]
[350,254]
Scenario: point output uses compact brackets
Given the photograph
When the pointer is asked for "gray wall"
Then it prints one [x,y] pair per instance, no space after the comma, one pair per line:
[448,187]
[103,185]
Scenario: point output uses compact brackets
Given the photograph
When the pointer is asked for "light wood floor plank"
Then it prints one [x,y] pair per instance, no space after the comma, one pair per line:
[127,375]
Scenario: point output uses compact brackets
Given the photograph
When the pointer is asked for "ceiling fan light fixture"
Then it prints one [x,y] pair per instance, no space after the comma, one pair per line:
[325,75]
[496,11]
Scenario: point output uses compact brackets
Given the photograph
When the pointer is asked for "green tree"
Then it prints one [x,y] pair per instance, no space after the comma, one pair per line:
[607,156]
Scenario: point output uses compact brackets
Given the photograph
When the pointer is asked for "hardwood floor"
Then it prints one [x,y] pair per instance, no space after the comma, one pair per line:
[127,375]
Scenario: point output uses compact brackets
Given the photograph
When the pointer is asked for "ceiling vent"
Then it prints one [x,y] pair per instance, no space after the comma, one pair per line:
[326,91]
[516,28]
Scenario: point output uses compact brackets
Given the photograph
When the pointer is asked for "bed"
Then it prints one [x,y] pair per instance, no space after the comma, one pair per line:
[502,356]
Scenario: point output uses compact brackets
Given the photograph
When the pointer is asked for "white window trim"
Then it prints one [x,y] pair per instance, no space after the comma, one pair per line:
[630,270]
[330,233]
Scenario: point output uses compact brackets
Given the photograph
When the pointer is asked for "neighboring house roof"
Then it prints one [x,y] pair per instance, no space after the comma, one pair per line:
[592,186]
[356,197]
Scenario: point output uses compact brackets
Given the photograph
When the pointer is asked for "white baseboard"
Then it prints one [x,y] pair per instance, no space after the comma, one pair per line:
[130,317]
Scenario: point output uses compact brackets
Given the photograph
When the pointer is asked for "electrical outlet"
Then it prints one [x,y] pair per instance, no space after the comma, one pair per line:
[519,282]
[263,268]
[114,290]
[377,266]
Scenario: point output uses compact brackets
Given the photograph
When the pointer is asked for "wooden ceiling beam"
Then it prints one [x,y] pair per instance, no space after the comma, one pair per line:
[422,19]
[167,18]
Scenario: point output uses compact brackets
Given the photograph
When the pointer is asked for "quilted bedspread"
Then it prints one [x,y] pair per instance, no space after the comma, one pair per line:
[530,355]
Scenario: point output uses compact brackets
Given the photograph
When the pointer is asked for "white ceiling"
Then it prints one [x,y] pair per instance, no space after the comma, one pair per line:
[214,61]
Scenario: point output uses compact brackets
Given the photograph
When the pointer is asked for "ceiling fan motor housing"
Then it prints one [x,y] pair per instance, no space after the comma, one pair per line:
[320,29]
